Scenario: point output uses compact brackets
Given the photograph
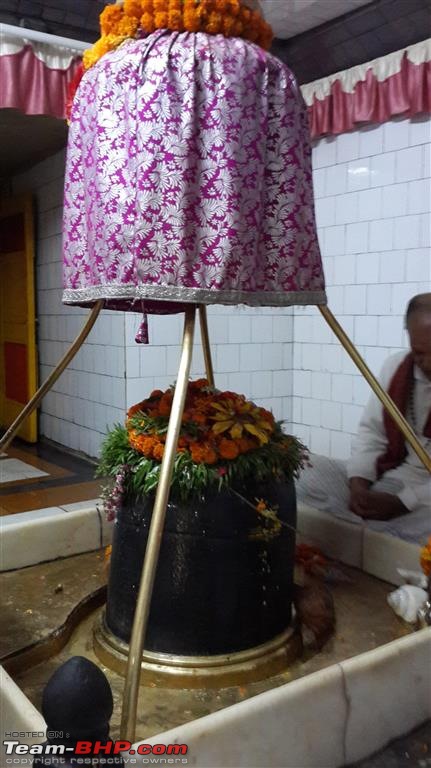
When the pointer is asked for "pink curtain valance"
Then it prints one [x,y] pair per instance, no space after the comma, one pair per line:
[397,84]
[36,77]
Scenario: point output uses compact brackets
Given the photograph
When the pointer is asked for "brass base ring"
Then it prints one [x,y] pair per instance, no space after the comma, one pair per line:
[172,671]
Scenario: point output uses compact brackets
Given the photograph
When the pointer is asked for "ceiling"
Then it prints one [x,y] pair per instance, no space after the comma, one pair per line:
[292,17]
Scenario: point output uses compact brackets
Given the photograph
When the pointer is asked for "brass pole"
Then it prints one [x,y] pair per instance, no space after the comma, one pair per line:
[131,689]
[384,398]
[206,344]
[52,378]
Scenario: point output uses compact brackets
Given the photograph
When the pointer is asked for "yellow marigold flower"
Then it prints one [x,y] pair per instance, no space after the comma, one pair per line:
[109,18]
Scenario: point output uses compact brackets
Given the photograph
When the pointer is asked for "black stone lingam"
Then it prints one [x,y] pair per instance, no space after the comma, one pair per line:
[224,581]
[77,706]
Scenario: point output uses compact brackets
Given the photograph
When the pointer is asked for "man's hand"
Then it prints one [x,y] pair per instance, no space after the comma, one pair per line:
[382,506]
[359,489]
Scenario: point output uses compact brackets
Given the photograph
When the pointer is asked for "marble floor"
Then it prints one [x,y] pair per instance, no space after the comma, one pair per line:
[43,476]
[40,604]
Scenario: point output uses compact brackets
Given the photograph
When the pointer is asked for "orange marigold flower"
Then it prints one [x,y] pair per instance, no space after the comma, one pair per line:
[158,451]
[133,8]
[261,505]
[209,455]
[197,452]
[228,449]
[147,6]
[147,22]
[165,404]
[175,20]
[215,23]
[161,20]
[425,558]
[109,18]
[128,26]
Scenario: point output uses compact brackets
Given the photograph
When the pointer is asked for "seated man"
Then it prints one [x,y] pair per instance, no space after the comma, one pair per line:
[384,482]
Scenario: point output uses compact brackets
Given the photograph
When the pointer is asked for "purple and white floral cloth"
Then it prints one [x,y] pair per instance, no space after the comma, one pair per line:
[189,179]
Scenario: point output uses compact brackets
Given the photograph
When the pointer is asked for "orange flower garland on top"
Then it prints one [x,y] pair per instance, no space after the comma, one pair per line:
[216,426]
[225,17]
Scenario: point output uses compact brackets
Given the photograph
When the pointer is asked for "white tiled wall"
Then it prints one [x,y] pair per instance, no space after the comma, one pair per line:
[373,203]
[91,393]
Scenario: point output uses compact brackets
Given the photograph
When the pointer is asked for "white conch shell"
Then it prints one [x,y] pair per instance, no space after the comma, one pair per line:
[406,601]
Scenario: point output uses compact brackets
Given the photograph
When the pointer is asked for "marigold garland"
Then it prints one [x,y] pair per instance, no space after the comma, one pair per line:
[225,17]
[225,441]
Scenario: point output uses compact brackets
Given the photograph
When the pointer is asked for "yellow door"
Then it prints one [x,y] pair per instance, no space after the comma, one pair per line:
[18,376]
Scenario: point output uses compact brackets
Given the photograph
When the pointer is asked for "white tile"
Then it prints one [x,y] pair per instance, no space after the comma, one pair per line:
[384,554]
[399,673]
[407,232]
[347,146]
[48,538]
[320,441]
[418,265]
[283,328]
[390,331]
[24,517]
[15,469]
[232,736]
[401,295]
[272,357]
[355,299]
[303,328]
[262,383]
[366,329]
[342,388]
[319,182]
[382,169]
[282,383]
[369,204]
[302,383]
[379,299]
[358,174]
[324,152]
[425,230]
[132,362]
[321,385]
[395,199]
[409,164]
[241,382]
[311,411]
[357,237]
[331,414]
[287,363]
[426,166]
[346,208]
[153,361]
[396,134]
[392,266]
[227,357]
[325,211]
[381,235]
[336,180]
[367,268]
[250,357]
[165,330]
[419,196]
[331,360]
[311,356]
[371,140]
[261,329]
[335,241]
[239,330]
[420,130]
